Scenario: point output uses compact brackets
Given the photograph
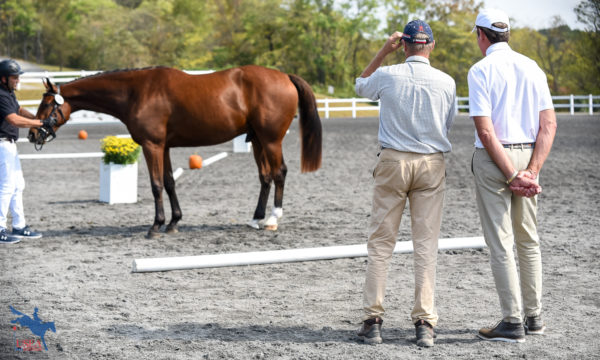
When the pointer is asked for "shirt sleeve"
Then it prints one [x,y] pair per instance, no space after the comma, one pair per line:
[453,110]
[479,98]
[5,107]
[545,98]
[368,87]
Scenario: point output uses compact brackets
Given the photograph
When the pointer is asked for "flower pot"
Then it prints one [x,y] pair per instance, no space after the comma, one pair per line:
[118,183]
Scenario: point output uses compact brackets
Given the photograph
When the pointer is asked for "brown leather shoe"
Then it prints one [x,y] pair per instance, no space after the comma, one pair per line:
[504,331]
[425,333]
[370,332]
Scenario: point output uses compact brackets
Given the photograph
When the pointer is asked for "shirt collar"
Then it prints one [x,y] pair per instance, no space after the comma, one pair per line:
[417,58]
[499,46]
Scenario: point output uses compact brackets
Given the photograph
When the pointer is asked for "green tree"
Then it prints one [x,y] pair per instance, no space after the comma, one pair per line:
[588,13]
[551,48]
[328,42]
[19,29]
[456,47]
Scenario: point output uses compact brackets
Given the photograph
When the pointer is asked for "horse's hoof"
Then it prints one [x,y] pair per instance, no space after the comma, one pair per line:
[172,230]
[271,223]
[254,224]
[271,227]
[152,234]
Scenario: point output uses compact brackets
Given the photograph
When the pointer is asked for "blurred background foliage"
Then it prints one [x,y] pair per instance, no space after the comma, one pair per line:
[325,41]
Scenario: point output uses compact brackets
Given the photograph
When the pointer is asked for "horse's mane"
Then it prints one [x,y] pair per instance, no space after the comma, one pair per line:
[114,72]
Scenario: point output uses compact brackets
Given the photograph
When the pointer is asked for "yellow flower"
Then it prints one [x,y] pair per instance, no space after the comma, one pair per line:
[119,150]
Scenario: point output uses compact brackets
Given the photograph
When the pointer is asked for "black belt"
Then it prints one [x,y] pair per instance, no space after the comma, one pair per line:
[8,140]
[519,146]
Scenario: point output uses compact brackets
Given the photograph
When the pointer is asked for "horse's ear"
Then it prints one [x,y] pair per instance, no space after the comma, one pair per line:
[51,87]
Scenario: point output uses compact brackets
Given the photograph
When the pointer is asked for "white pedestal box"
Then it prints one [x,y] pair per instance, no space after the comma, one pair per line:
[118,183]
[240,144]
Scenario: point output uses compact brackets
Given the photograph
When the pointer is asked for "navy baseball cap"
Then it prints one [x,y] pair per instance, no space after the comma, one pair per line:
[417,27]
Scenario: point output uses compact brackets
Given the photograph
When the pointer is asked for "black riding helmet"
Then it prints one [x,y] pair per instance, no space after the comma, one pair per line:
[9,67]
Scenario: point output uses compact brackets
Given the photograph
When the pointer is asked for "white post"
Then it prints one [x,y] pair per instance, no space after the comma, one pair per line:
[326,108]
[118,183]
[591,104]
[572,104]
[456,105]
[240,145]
[354,108]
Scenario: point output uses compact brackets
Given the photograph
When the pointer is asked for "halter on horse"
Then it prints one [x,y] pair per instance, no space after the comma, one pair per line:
[46,132]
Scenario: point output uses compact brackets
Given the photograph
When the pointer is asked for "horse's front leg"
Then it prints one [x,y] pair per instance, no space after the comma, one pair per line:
[264,177]
[154,159]
[170,189]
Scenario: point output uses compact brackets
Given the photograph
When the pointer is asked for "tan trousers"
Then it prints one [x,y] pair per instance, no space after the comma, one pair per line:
[507,220]
[421,179]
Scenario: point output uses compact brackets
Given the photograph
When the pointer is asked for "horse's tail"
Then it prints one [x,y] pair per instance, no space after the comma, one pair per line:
[311,131]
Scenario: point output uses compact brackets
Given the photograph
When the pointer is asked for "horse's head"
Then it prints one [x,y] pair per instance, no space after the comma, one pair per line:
[55,110]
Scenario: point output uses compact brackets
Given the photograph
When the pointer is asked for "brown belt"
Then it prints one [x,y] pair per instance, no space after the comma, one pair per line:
[519,146]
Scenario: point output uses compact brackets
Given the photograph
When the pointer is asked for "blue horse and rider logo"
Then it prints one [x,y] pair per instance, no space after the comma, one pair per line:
[35,324]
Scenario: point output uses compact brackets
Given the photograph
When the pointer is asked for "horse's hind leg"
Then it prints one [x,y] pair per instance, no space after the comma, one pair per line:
[170,189]
[265,184]
[278,174]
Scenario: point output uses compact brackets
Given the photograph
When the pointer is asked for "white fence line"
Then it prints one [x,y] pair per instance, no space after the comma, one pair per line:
[571,102]
[589,102]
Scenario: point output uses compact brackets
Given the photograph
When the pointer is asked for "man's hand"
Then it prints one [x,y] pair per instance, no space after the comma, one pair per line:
[393,43]
[525,184]
[49,123]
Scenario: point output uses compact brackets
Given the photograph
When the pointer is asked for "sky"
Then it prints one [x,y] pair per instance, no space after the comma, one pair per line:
[537,14]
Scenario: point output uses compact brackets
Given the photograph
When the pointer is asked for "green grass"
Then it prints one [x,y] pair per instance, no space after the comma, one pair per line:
[30,92]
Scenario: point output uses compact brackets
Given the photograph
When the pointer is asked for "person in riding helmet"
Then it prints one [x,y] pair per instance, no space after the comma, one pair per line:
[12,183]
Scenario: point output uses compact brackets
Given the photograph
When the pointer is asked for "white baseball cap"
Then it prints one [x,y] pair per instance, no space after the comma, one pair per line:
[488,17]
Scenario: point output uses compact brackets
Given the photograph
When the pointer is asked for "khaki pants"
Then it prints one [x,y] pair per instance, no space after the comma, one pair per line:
[421,179]
[507,220]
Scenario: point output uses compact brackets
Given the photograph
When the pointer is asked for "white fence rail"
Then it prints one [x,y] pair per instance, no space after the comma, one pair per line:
[591,103]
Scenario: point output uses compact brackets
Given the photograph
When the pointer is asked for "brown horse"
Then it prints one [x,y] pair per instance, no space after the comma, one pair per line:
[164,108]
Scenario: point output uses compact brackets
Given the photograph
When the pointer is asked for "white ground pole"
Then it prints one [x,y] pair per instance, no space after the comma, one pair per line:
[283,256]
[211,160]
[177,173]
[61,156]
[119,136]
[214,159]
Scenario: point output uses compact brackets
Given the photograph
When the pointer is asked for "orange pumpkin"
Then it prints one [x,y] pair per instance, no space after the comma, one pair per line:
[83,134]
[195,162]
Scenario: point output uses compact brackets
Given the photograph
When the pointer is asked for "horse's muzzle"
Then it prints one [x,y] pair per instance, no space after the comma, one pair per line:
[32,135]
[39,136]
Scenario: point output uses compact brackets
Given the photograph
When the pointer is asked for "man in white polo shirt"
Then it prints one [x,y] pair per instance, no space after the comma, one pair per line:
[417,110]
[510,103]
